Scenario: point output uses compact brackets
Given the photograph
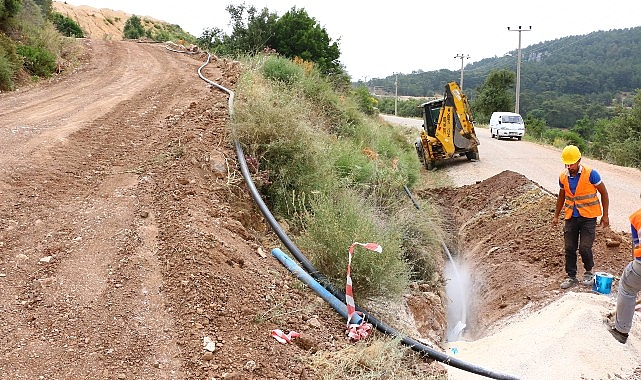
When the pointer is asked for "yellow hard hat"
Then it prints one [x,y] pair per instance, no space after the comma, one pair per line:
[570,155]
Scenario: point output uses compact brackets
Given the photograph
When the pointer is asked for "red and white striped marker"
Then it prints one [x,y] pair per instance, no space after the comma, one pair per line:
[280,336]
[356,331]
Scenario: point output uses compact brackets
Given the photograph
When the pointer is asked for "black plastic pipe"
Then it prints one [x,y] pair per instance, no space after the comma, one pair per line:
[379,325]
[409,194]
[309,267]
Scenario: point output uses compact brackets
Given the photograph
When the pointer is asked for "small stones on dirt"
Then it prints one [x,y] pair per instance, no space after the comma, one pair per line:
[314,322]
[250,366]
[44,282]
[612,243]
[209,344]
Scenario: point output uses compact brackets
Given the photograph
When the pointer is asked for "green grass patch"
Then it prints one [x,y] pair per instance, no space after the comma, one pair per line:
[335,174]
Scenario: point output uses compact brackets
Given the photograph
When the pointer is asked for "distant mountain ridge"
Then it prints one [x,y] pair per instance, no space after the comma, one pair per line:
[562,80]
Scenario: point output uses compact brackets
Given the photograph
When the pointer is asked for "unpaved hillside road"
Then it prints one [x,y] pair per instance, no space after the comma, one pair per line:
[126,234]
[67,164]
[541,164]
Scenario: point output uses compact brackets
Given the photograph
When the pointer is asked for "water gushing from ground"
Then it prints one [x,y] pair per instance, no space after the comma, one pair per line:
[459,294]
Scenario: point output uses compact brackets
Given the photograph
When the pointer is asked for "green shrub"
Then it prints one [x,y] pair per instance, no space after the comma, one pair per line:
[421,236]
[133,28]
[6,74]
[337,221]
[282,70]
[66,25]
[351,167]
[37,60]
[334,174]
[9,63]
[366,102]
[626,153]
[9,8]
[287,148]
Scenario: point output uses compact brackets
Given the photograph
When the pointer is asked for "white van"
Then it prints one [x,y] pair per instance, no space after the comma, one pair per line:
[506,124]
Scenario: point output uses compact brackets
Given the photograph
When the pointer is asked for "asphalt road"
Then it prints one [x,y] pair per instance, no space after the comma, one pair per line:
[541,164]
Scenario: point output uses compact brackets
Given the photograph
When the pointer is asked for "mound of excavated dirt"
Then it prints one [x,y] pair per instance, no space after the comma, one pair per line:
[502,229]
[521,322]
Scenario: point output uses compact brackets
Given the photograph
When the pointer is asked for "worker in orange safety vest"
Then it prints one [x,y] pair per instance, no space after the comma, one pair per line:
[581,207]
[629,286]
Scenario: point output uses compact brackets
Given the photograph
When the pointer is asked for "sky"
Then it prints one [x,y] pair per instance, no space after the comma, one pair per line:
[402,36]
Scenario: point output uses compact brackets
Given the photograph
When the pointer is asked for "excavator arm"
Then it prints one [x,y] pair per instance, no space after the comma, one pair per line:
[456,118]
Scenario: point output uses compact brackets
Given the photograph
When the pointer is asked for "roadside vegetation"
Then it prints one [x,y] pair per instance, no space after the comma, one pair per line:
[325,163]
[335,175]
[37,42]
[142,28]
[30,45]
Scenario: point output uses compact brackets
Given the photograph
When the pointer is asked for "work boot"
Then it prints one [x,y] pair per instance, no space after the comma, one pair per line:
[569,282]
[618,335]
[588,279]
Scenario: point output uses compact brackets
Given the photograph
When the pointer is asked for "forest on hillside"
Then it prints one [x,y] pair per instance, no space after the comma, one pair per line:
[562,81]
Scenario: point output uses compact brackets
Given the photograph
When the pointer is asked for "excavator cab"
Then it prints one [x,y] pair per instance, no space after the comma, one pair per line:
[431,113]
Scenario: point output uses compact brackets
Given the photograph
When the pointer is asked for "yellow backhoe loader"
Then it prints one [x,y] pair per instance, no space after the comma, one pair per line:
[448,129]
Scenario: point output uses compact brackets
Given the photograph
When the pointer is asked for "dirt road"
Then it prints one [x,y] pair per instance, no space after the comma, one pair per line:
[542,165]
[80,287]
[126,237]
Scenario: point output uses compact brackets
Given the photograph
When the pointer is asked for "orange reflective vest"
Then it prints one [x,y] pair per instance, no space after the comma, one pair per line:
[584,198]
[635,220]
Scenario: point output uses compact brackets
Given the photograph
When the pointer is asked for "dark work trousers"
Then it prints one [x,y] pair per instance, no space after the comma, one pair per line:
[579,233]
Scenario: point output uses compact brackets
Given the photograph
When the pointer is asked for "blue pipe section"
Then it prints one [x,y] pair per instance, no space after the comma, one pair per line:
[300,273]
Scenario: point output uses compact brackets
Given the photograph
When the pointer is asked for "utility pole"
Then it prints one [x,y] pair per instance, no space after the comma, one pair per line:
[518,66]
[462,56]
[396,95]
